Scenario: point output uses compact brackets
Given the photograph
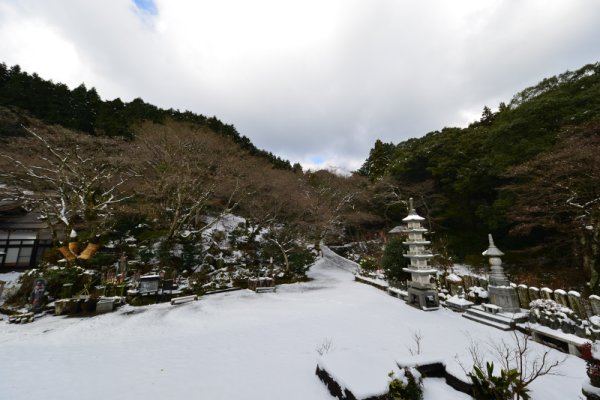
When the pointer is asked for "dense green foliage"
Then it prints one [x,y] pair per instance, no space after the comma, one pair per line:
[83,109]
[463,174]
[507,386]
[393,261]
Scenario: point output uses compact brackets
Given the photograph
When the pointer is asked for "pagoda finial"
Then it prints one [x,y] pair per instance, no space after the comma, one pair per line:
[411,206]
[492,250]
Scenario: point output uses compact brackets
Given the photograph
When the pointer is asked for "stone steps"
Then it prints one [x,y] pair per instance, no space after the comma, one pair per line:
[495,320]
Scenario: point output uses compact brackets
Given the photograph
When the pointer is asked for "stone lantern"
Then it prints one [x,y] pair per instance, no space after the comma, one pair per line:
[421,292]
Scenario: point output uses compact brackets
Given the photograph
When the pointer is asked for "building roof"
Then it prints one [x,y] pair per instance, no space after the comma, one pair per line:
[24,222]
[397,229]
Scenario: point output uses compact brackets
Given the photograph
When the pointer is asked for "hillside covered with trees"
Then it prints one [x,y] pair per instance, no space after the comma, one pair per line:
[155,184]
[83,110]
[528,172]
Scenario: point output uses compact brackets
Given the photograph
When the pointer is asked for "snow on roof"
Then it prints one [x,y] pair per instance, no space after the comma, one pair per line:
[492,250]
[413,217]
[397,229]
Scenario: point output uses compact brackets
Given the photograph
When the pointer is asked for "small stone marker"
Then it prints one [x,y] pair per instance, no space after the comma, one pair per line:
[66,290]
[560,296]
[534,293]
[546,293]
[105,305]
[183,299]
[575,304]
[523,292]
[595,303]
[61,306]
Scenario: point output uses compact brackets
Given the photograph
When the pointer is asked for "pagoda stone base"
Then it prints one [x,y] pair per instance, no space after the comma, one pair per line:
[505,297]
[425,299]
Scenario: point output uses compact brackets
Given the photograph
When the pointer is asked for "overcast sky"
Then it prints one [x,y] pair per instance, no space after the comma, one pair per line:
[314,81]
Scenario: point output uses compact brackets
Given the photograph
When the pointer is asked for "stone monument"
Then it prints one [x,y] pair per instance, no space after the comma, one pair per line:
[421,292]
[500,292]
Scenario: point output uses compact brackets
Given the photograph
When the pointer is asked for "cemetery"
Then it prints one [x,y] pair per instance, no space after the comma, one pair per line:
[556,318]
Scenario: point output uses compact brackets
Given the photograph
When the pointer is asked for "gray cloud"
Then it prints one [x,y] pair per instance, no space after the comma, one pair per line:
[307,79]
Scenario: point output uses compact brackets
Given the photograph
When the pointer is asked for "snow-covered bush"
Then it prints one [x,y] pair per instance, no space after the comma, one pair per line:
[368,266]
[477,293]
[408,385]
[55,277]
[551,313]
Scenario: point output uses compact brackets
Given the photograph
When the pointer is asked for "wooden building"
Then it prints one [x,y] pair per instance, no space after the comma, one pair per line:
[24,237]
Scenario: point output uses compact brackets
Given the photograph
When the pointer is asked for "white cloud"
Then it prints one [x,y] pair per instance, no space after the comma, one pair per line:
[302,78]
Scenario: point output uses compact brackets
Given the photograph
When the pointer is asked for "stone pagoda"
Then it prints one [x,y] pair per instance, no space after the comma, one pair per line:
[421,292]
[500,292]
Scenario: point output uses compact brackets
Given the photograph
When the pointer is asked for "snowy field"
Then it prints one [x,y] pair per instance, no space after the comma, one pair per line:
[244,345]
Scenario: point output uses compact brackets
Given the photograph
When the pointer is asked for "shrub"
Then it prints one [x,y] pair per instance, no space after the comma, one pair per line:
[393,261]
[368,265]
[487,386]
[407,386]
[592,364]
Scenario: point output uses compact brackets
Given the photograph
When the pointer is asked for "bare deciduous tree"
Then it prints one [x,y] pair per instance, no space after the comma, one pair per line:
[559,193]
[517,355]
[72,180]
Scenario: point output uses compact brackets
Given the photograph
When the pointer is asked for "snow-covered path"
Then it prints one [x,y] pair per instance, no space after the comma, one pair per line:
[239,345]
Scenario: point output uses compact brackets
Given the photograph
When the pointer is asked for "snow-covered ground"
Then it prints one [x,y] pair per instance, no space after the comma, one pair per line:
[243,345]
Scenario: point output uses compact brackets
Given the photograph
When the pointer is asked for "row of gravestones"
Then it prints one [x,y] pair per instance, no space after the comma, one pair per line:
[584,308]
[467,281]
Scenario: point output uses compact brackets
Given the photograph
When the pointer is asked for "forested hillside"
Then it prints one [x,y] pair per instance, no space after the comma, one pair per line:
[82,109]
[528,172]
[132,178]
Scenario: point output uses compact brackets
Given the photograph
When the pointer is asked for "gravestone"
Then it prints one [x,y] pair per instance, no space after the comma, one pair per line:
[560,296]
[105,305]
[534,293]
[575,304]
[149,284]
[120,290]
[99,291]
[61,306]
[468,281]
[546,293]
[523,296]
[595,303]
[66,290]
